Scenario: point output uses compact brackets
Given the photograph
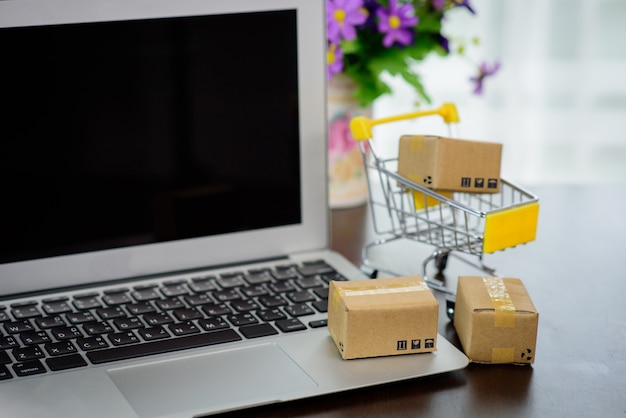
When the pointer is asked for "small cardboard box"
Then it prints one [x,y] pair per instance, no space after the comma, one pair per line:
[495,320]
[382,317]
[449,164]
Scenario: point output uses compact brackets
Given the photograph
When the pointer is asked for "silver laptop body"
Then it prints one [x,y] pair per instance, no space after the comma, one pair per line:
[103,214]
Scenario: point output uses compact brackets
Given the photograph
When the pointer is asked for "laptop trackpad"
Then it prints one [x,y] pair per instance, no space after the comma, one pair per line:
[211,382]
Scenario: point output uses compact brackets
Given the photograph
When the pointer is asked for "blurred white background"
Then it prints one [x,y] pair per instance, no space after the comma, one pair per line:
[558,103]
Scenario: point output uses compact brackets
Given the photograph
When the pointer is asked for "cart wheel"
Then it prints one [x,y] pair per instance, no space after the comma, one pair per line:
[450,304]
[369,272]
[441,261]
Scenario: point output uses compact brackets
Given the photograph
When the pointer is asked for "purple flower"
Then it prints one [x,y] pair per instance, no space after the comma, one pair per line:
[484,71]
[341,18]
[370,7]
[334,60]
[396,22]
[438,4]
[443,41]
[463,3]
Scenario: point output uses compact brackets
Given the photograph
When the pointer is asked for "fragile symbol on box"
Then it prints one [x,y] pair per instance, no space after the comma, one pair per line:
[416,344]
[479,182]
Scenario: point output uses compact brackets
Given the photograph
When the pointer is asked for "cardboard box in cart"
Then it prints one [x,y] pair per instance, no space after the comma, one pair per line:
[382,317]
[495,320]
[449,164]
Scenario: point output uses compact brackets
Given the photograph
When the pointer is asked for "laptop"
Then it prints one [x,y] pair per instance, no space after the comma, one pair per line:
[164,243]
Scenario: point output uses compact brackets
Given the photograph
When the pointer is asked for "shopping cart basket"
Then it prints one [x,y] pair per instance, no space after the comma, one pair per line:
[454,223]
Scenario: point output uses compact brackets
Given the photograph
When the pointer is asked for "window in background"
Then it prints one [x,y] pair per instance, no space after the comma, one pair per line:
[558,103]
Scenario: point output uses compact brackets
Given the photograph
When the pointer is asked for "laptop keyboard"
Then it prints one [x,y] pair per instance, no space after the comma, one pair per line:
[69,330]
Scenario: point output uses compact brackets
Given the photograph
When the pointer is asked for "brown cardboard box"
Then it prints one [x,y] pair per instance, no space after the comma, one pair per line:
[381,317]
[441,163]
[495,320]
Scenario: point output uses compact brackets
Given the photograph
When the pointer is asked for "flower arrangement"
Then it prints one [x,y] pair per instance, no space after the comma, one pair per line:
[369,37]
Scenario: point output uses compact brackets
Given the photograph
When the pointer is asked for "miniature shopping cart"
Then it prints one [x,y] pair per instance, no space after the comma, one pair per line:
[461,224]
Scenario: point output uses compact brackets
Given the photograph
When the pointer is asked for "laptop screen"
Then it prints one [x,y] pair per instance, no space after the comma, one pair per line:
[135,132]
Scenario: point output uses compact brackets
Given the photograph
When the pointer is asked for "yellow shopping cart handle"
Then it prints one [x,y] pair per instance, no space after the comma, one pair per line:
[361,127]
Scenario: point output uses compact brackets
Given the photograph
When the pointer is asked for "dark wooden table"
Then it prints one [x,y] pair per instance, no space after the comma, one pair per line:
[575,273]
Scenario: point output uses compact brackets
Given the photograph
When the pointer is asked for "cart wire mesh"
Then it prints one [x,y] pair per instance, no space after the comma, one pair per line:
[461,222]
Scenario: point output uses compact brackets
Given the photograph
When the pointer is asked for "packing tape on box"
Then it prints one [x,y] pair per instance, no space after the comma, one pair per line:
[338,293]
[502,355]
[502,303]
[384,289]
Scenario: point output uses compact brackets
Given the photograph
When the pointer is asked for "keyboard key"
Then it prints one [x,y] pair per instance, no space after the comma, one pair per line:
[91,343]
[53,307]
[153,333]
[319,323]
[272,301]
[301,296]
[171,290]
[4,316]
[258,277]
[58,349]
[50,322]
[269,315]
[244,305]
[242,319]
[140,308]
[299,310]
[80,317]
[18,327]
[7,342]
[66,362]
[213,324]
[5,374]
[290,325]
[226,295]
[118,297]
[285,273]
[4,358]
[145,294]
[85,303]
[202,284]
[169,304]
[282,287]
[321,305]
[315,269]
[27,353]
[254,291]
[97,328]
[187,314]
[123,324]
[123,338]
[160,318]
[163,346]
[110,313]
[229,281]
[327,277]
[216,309]
[183,328]
[66,333]
[34,337]
[309,282]
[29,368]
[259,330]
[199,299]
[25,312]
